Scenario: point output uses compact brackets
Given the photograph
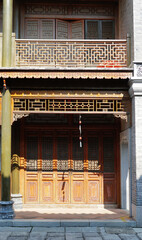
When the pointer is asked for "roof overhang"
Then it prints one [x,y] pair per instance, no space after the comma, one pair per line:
[74,73]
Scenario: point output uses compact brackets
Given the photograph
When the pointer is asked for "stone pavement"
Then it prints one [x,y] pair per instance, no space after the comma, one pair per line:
[70,233]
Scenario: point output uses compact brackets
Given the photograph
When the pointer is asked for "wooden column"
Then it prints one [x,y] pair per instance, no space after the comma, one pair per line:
[6,145]
[15,174]
[7,33]
[6,102]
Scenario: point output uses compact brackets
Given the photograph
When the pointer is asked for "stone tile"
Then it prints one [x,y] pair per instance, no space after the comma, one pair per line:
[74,235]
[55,238]
[74,238]
[93,238]
[37,236]
[138,230]
[91,234]
[4,235]
[73,229]
[140,236]
[54,234]
[15,229]
[115,230]
[90,229]
[110,237]
[74,223]
[101,230]
[81,229]
[17,238]
[19,234]
[128,237]
[48,229]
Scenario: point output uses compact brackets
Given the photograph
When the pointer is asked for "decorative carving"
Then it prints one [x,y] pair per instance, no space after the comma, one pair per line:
[67,105]
[17,116]
[93,165]
[70,53]
[46,9]
[62,165]
[122,116]
[68,74]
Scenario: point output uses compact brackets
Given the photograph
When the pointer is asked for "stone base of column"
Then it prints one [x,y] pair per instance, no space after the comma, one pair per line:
[17,199]
[6,210]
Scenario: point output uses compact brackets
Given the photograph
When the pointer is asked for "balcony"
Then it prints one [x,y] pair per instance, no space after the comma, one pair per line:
[67,54]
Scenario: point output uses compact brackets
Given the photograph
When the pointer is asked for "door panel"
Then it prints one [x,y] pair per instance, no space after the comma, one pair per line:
[47,187]
[62,188]
[31,188]
[59,171]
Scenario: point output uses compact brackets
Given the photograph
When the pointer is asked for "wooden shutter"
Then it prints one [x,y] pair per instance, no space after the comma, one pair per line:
[62,29]
[108,154]
[108,29]
[77,30]
[62,153]
[32,29]
[32,152]
[47,29]
[92,29]
[47,153]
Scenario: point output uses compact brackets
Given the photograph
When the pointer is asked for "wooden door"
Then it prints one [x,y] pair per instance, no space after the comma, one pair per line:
[59,171]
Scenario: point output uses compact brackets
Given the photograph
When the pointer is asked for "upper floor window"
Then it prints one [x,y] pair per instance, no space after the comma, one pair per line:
[68,29]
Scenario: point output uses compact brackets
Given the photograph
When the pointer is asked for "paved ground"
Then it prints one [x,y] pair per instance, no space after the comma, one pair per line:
[71,213]
[70,233]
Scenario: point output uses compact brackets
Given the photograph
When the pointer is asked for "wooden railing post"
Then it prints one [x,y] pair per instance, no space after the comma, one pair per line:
[0,49]
[13,54]
[128,50]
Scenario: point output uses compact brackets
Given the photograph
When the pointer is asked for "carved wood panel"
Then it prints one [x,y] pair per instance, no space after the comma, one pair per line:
[62,188]
[31,188]
[109,189]
[47,187]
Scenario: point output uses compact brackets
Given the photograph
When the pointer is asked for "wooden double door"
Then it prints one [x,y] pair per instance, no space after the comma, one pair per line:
[58,170]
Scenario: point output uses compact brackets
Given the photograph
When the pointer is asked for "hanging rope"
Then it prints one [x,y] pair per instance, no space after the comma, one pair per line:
[80,132]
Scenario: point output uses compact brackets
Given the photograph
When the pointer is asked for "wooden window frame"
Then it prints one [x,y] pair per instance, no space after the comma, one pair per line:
[100,23]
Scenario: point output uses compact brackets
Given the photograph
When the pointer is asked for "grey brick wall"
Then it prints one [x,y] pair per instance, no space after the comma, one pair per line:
[137,151]
[137,11]
[126,21]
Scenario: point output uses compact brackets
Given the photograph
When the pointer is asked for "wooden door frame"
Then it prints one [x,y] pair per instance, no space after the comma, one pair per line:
[115,129]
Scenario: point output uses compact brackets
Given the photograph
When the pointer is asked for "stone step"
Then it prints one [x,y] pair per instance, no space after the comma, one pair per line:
[67,223]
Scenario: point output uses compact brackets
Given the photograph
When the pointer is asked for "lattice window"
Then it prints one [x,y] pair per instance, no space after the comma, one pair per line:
[32,152]
[68,105]
[62,153]
[47,153]
[77,155]
[108,154]
[93,153]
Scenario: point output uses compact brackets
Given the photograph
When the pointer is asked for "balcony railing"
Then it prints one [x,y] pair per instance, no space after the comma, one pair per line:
[71,53]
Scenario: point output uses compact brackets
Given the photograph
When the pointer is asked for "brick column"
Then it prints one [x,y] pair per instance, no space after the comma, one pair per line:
[135,92]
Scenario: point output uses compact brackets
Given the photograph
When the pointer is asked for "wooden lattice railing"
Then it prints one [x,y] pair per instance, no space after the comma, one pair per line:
[71,53]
